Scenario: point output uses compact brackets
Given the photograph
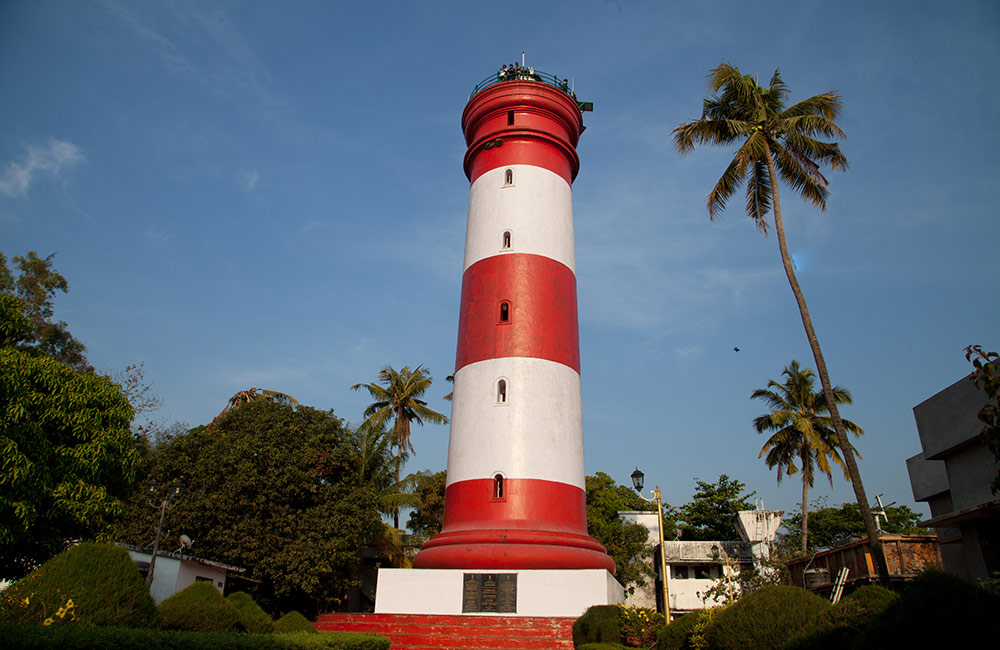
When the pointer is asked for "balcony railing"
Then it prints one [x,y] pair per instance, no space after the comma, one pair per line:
[525,74]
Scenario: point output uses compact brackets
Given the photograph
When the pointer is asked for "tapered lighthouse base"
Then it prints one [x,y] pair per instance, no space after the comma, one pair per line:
[513,549]
[535,592]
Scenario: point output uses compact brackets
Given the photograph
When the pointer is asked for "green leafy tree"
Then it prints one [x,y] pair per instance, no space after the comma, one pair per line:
[830,526]
[802,431]
[36,285]
[709,514]
[428,517]
[397,397]
[775,142]
[626,543]
[273,489]
[986,377]
[67,461]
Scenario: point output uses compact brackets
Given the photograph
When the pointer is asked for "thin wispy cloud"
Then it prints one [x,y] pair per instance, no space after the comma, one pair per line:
[249,180]
[52,158]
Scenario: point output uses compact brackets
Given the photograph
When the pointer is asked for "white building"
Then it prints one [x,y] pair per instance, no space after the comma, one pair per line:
[174,571]
[695,568]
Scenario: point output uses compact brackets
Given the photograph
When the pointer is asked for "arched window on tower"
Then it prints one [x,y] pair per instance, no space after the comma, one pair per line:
[506,240]
[508,177]
[505,312]
[498,486]
[501,391]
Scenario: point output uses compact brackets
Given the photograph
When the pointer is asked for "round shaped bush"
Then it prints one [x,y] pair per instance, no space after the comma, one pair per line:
[90,583]
[199,608]
[293,622]
[599,624]
[767,619]
[252,617]
[675,635]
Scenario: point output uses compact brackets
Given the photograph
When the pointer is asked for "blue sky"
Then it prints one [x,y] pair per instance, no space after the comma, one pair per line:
[271,194]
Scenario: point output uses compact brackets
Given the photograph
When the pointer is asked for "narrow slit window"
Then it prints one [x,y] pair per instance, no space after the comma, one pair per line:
[505,312]
[510,118]
[502,391]
[506,239]
[508,177]
[498,486]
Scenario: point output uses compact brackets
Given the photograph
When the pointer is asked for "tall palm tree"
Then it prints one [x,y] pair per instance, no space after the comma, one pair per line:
[802,431]
[775,142]
[397,397]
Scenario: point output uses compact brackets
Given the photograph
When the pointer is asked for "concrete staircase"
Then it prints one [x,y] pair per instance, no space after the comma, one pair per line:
[441,632]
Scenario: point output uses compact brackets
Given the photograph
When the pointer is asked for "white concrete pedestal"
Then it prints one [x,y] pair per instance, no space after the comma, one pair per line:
[540,592]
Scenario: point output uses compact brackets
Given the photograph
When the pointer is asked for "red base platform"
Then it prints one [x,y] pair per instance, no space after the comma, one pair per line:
[433,632]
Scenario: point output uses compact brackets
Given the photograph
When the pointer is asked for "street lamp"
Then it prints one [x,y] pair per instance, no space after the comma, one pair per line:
[173,493]
[638,479]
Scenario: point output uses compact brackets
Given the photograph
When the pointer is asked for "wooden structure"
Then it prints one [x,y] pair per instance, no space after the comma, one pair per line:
[906,555]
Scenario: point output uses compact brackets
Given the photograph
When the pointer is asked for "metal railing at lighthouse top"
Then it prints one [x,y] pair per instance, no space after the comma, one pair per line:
[526,74]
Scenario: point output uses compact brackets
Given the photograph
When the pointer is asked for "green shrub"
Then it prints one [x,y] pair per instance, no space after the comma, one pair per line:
[96,584]
[293,622]
[599,624]
[199,608]
[768,619]
[37,637]
[935,609]
[675,636]
[841,626]
[601,646]
[252,617]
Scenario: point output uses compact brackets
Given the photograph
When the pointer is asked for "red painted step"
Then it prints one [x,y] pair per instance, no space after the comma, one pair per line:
[457,632]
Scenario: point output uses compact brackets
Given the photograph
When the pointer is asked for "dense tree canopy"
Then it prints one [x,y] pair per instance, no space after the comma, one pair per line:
[36,284]
[830,526]
[275,489]
[626,543]
[67,460]
[709,514]
[428,517]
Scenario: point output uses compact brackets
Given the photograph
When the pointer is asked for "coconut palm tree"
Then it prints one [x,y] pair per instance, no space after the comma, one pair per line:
[397,397]
[775,142]
[802,431]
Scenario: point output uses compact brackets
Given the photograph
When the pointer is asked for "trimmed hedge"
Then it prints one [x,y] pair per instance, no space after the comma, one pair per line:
[768,619]
[252,617]
[199,608]
[675,636]
[89,583]
[839,628]
[293,622]
[599,624]
[36,637]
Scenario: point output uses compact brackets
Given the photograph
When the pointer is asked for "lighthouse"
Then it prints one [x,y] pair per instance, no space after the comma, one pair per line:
[515,501]
[515,496]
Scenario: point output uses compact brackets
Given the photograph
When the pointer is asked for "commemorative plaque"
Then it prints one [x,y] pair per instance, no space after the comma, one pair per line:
[489,592]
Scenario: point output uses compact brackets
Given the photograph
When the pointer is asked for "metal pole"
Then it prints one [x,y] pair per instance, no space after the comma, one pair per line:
[156,544]
[663,555]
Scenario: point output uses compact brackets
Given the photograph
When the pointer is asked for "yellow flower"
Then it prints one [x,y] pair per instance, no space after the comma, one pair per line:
[69,604]
[47,621]
[61,613]
[26,601]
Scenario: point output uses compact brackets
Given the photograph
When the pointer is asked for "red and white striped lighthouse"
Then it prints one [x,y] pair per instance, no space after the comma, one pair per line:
[515,494]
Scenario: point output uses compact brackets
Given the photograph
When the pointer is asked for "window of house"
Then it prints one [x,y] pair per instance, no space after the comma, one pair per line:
[679,572]
[502,391]
[506,239]
[505,312]
[498,486]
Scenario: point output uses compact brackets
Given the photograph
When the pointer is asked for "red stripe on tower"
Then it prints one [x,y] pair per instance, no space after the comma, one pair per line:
[515,491]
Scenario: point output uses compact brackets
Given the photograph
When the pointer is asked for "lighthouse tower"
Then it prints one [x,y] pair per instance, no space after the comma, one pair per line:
[515,494]
[514,537]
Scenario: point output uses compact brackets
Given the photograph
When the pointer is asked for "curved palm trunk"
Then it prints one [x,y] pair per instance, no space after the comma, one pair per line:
[845,446]
[805,502]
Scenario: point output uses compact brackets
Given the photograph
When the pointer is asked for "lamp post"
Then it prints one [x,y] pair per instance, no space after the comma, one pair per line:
[637,482]
[173,493]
